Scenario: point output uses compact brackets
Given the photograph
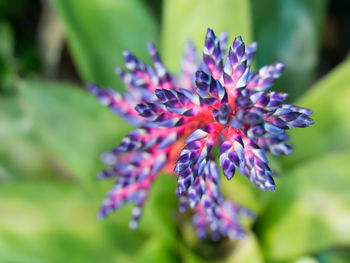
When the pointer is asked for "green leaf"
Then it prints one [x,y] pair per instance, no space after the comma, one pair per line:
[244,193]
[161,210]
[73,125]
[289,31]
[77,129]
[310,210]
[246,251]
[243,251]
[20,143]
[191,257]
[303,259]
[329,99]
[185,20]
[311,197]
[98,31]
[337,255]
[8,67]
[155,250]
[7,42]
[43,222]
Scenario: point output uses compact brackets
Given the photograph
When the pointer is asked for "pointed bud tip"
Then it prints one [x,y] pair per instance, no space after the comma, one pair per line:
[126,53]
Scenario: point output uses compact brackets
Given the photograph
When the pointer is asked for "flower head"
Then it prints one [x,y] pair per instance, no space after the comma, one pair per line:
[221,102]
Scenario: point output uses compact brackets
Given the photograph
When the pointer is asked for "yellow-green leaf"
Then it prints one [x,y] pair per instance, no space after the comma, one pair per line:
[98,31]
[185,20]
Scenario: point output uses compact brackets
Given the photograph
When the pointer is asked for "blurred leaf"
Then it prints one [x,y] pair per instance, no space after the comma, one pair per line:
[329,99]
[246,194]
[51,40]
[155,6]
[23,157]
[190,257]
[12,7]
[289,31]
[337,255]
[246,251]
[19,143]
[155,250]
[43,222]
[97,31]
[6,40]
[73,125]
[77,130]
[327,137]
[310,210]
[8,68]
[160,216]
[304,259]
[185,20]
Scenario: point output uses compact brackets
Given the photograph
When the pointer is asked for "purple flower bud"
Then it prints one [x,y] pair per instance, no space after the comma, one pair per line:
[223,115]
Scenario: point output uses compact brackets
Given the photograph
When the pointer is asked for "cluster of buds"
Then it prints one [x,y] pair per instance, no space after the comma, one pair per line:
[218,101]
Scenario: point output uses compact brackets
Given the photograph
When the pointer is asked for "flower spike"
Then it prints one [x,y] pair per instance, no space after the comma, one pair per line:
[219,101]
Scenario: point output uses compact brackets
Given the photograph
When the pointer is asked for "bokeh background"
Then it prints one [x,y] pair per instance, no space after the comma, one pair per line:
[52,131]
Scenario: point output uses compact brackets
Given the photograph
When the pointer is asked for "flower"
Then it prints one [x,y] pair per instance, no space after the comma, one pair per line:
[221,102]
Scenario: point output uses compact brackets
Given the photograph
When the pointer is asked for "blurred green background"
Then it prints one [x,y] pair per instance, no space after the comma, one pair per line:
[53,131]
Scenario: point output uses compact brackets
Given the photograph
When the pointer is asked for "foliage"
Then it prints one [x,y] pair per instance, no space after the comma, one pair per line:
[53,132]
